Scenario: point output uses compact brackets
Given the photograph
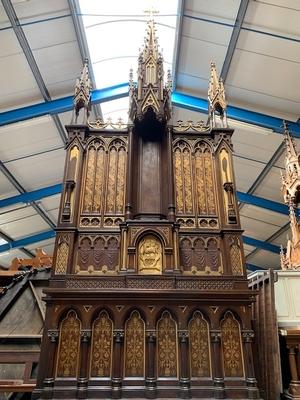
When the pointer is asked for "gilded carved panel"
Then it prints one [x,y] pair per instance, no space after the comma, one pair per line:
[205,183]
[231,347]
[150,255]
[199,346]
[62,256]
[104,184]
[236,256]
[183,178]
[69,346]
[135,346]
[167,357]
[101,347]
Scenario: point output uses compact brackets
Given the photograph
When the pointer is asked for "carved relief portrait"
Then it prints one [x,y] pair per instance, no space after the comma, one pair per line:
[150,255]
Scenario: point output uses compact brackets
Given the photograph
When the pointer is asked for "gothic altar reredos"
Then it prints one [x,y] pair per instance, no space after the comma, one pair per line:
[148,296]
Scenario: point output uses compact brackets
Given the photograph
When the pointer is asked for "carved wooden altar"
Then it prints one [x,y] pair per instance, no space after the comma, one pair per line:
[149,296]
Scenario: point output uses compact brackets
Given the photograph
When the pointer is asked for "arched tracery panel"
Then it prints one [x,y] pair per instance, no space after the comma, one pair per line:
[183,178]
[205,182]
[69,346]
[101,346]
[134,346]
[231,346]
[116,178]
[199,348]
[167,357]
[94,178]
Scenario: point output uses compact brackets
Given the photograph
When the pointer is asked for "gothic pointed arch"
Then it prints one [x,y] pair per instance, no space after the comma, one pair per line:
[134,349]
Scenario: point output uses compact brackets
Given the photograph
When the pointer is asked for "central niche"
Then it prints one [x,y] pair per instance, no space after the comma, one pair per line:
[150,258]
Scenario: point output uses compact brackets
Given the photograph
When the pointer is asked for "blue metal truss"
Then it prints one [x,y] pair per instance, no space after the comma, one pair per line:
[16,244]
[115,92]
[253,268]
[261,244]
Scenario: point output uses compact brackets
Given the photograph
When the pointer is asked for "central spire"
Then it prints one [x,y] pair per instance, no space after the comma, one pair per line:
[150,98]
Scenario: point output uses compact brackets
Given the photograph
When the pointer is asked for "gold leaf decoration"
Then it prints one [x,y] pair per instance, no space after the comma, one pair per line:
[101,348]
[134,346]
[69,345]
[167,346]
[199,346]
[62,258]
[231,346]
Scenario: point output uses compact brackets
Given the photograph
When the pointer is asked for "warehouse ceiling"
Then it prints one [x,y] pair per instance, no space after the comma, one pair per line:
[256,47]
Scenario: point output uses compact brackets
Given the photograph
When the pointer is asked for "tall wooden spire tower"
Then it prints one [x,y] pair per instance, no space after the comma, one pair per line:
[149,295]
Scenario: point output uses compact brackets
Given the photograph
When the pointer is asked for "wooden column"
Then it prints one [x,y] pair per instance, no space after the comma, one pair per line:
[171,200]
[253,392]
[128,200]
[184,364]
[53,335]
[150,364]
[117,363]
[218,376]
[292,362]
[82,381]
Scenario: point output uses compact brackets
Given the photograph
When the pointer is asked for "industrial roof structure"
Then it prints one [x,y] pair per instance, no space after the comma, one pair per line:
[255,45]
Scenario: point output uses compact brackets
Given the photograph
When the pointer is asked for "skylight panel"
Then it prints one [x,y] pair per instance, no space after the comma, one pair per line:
[115,32]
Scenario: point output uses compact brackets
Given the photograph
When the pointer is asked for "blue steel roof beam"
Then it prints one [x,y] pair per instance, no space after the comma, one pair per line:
[10,240]
[236,113]
[20,188]
[16,244]
[253,268]
[234,37]
[261,244]
[177,44]
[12,16]
[118,91]
[82,44]
[61,105]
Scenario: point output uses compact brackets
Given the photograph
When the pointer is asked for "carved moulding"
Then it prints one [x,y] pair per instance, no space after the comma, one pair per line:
[189,126]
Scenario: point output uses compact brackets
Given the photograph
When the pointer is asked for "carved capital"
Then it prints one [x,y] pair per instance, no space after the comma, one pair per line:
[247,336]
[228,187]
[183,336]
[215,336]
[118,335]
[53,335]
[151,335]
[86,335]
